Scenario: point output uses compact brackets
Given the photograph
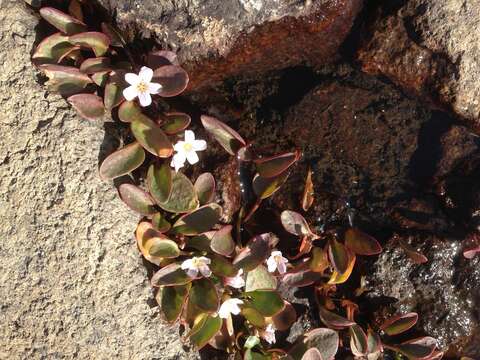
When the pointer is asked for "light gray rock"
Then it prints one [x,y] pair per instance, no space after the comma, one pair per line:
[72,284]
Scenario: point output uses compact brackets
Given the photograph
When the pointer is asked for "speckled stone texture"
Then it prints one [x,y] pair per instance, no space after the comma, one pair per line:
[219,39]
[430,47]
[72,284]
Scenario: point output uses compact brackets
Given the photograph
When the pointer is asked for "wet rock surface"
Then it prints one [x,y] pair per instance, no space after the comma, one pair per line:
[216,40]
[430,48]
[444,291]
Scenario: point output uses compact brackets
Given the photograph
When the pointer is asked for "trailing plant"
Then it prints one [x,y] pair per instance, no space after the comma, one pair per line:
[226,291]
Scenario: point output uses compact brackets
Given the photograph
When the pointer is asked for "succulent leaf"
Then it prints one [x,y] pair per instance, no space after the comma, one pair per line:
[172,300]
[175,122]
[122,161]
[159,182]
[96,41]
[273,166]
[260,278]
[151,137]
[230,140]
[173,78]
[266,302]
[399,323]
[66,80]
[205,188]
[137,199]
[183,197]
[361,243]
[89,106]
[65,23]
[255,253]
[198,221]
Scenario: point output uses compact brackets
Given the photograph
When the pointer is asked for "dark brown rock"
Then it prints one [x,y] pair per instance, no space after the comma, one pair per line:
[220,39]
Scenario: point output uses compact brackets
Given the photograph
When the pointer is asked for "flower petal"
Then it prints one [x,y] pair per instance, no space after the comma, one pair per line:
[282,267]
[192,157]
[179,146]
[132,78]
[178,161]
[187,264]
[192,273]
[189,136]
[205,270]
[130,93]
[146,74]
[271,264]
[154,88]
[145,99]
[199,145]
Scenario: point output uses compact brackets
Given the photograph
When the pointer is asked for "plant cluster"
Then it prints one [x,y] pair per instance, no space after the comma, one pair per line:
[223,289]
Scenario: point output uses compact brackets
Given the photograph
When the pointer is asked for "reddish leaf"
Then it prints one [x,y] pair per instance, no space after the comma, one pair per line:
[471,253]
[114,89]
[96,41]
[160,58]
[420,349]
[230,140]
[173,78]
[137,199]
[361,243]
[66,80]
[198,221]
[308,192]
[414,255]
[295,224]
[374,342]
[63,22]
[75,9]
[205,188]
[159,182]
[264,188]
[285,318]
[151,137]
[93,65]
[222,242]
[333,320]
[358,340]
[399,323]
[339,278]
[301,278]
[129,111]
[160,223]
[89,106]
[312,354]
[170,275]
[122,161]
[100,78]
[275,165]
[115,38]
[52,49]
[255,253]
[175,122]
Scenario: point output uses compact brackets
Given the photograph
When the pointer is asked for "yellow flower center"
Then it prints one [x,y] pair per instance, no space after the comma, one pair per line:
[187,147]
[142,87]
[196,262]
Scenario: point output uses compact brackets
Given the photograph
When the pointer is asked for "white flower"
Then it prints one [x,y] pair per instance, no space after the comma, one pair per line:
[194,265]
[230,306]
[141,86]
[187,150]
[277,261]
[237,281]
[269,334]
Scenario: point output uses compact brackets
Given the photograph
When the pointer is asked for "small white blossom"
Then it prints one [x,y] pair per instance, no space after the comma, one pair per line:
[230,306]
[237,281]
[141,86]
[197,264]
[269,334]
[277,261]
[187,150]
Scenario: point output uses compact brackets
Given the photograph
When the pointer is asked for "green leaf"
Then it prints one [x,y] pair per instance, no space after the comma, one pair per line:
[420,348]
[88,106]
[114,89]
[198,221]
[267,302]
[358,341]
[255,253]
[129,111]
[333,320]
[52,49]
[361,243]
[162,247]
[399,323]
[295,223]
[173,300]
[205,188]
[220,266]
[251,342]
[254,317]
[63,22]
[338,256]
[183,197]
[143,233]
[151,137]
[137,199]
[93,40]
[173,78]
[230,140]
[222,242]
[122,161]
[100,78]
[170,275]
[66,80]
[264,188]
[94,65]
[374,343]
[322,339]
[301,278]
[260,278]
[204,295]
[276,165]
[159,181]
[160,223]
[175,122]
[200,242]
[204,329]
